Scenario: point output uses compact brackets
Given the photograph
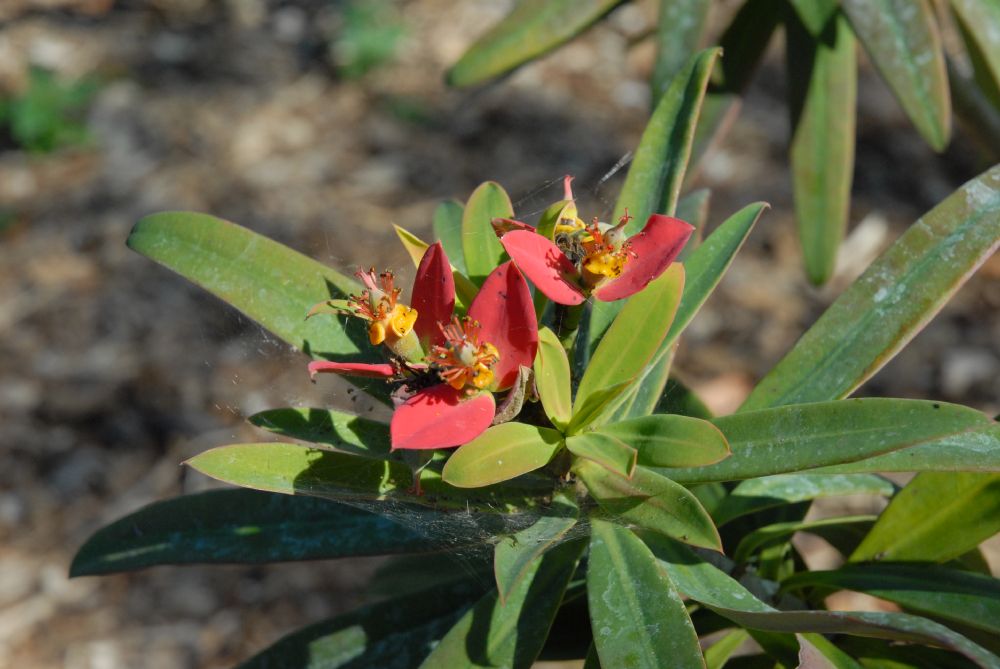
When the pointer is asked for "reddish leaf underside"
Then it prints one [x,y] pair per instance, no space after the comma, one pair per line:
[433,295]
[653,249]
[506,316]
[440,417]
[547,267]
[504,225]
[377,371]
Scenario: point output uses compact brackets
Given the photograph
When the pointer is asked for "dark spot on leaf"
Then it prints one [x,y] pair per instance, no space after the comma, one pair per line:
[936,405]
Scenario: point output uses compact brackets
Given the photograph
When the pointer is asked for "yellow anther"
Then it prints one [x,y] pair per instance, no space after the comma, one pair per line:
[605,264]
[402,319]
[483,377]
[376,333]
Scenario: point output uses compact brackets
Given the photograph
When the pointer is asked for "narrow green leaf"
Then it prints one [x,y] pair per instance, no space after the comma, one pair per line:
[480,245]
[297,470]
[877,654]
[707,584]
[704,268]
[948,594]
[802,436]
[693,208]
[345,432]
[393,634]
[448,230]
[679,399]
[938,516]
[638,618]
[592,661]
[822,73]
[613,454]
[679,33]
[651,501]
[655,177]
[816,652]
[635,335]
[267,281]
[501,453]
[596,406]
[770,491]
[892,301]
[975,450]
[244,527]
[814,14]
[902,39]
[552,379]
[671,440]
[531,30]
[979,21]
[718,654]
[775,533]
[511,634]
[515,555]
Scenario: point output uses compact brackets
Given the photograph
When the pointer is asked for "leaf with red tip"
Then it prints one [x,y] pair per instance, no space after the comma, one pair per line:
[547,267]
[651,252]
[440,417]
[506,317]
[502,226]
[433,294]
[382,371]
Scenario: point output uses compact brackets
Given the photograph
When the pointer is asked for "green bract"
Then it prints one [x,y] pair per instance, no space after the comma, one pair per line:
[598,486]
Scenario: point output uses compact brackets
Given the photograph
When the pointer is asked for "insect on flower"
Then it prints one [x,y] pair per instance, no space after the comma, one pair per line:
[571,260]
[447,367]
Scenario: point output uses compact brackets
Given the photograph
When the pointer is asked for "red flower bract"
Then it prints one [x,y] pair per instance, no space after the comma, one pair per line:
[605,267]
[482,353]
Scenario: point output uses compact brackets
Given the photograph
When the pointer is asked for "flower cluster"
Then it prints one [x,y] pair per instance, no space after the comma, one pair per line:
[446,366]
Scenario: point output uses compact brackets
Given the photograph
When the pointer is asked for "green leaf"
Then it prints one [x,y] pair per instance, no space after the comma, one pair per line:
[948,594]
[655,177]
[267,281]
[770,491]
[637,616]
[814,14]
[671,440]
[816,652]
[244,527]
[552,379]
[613,454]
[776,533]
[448,230]
[902,40]
[595,406]
[480,245]
[802,436]
[679,33]
[975,450]
[938,516]
[393,634]
[297,470]
[704,268]
[651,501]
[718,654]
[979,21]
[679,399]
[516,554]
[707,584]
[511,634]
[635,335]
[822,72]
[693,208]
[531,30]
[892,301]
[501,453]
[345,432]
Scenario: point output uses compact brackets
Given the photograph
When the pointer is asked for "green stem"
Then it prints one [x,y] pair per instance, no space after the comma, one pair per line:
[567,324]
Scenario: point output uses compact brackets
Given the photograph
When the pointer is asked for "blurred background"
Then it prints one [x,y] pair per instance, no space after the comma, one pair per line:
[320,123]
